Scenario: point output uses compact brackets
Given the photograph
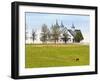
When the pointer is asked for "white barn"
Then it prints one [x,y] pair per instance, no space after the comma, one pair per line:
[71,34]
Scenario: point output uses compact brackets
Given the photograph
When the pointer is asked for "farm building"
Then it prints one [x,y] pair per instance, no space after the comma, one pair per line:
[70,38]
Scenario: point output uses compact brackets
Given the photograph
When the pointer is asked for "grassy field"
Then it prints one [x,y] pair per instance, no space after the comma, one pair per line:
[56,55]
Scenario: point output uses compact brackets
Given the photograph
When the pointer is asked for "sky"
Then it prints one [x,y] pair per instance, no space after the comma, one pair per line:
[34,21]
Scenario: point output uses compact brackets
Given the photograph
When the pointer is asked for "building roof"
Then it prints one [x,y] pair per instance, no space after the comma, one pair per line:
[64,29]
[73,33]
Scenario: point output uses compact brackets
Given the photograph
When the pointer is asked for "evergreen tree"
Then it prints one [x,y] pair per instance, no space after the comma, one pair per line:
[78,37]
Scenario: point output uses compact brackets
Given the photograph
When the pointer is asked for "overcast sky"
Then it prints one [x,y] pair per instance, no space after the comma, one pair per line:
[35,21]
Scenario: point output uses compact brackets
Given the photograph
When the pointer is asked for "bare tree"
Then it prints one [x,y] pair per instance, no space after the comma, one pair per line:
[44,33]
[65,37]
[33,35]
[64,34]
[55,32]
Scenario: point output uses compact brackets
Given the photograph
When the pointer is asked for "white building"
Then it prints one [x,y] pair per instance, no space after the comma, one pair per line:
[71,34]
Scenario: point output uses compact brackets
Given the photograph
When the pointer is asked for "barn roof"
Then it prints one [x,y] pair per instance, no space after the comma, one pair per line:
[73,33]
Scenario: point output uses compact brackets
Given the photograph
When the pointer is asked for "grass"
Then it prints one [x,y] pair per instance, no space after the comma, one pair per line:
[56,55]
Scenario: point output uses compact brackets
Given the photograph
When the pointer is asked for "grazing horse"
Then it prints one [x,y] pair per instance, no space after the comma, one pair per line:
[76,59]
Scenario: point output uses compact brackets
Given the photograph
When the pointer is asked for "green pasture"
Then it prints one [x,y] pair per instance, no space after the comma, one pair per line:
[38,55]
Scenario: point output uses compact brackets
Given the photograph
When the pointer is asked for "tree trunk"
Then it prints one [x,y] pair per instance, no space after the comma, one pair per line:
[65,41]
[55,41]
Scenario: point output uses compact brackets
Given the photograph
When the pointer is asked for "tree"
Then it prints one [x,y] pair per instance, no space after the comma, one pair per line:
[33,35]
[78,37]
[55,32]
[48,35]
[26,32]
[62,26]
[65,37]
[44,33]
